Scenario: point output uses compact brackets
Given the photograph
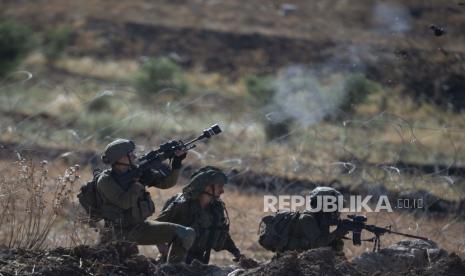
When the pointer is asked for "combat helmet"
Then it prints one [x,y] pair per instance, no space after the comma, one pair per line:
[323,191]
[328,217]
[117,149]
[201,178]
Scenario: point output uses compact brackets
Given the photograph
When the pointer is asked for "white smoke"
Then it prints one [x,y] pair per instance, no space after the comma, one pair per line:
[305,95]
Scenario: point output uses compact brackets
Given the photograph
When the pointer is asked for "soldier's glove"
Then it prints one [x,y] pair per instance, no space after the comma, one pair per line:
[177,161]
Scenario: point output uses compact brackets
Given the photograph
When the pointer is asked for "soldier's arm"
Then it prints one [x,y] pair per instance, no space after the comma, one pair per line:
[112,192]
[174,213]
[231,247]
[161,179]
[314,235]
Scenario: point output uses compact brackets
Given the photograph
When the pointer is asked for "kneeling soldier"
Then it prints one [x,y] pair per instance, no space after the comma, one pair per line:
[125,210]
[199,206]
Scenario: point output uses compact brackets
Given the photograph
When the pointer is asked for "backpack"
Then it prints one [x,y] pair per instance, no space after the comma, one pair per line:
[274,230]
[90,199]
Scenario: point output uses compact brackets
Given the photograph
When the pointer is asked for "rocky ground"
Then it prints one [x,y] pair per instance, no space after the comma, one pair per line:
[408,257]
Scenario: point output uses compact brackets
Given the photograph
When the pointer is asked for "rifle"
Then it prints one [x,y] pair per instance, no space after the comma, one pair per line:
[154,158]
[358,223]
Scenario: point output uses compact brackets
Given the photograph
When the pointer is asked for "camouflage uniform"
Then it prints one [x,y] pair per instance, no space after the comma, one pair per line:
[307,233]
[126,211]
[311,230]
[211,224]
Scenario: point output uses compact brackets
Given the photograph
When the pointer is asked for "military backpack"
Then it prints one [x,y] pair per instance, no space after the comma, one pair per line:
[90,199]
[274,230]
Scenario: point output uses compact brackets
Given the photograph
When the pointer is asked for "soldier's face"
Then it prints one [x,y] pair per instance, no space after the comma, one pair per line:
[127,159]
[216,189]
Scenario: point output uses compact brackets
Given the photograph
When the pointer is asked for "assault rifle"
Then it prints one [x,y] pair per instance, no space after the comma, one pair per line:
[154,158]
[356,224]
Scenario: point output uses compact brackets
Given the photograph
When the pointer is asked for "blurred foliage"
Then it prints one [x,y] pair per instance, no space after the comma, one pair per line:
[16,41]
[55,42]
[278,130]
[262,91]
[260,88]
[100,104]
[157,74]
[357,88]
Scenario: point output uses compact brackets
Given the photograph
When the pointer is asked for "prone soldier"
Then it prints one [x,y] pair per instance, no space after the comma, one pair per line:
[286,231]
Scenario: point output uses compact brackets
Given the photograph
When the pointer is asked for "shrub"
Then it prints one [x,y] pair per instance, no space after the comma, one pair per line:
[357,89]
[55,42]
[102,103]
[157,74]
[262,91]
[16,41]
[260,88]
[31,203]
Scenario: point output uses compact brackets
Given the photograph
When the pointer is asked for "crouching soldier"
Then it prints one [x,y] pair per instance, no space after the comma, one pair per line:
[199,206]
[286,231]
[125,209]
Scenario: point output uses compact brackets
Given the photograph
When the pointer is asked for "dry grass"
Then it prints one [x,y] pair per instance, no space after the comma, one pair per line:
[51,205]
[31,203]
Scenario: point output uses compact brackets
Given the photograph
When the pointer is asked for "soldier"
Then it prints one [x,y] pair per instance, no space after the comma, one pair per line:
[125,210]
[313,227]
[306,230]
[199,206]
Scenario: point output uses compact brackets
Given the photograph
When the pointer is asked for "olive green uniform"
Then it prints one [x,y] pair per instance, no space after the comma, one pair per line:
[125,212]
[307,232]
[211,225]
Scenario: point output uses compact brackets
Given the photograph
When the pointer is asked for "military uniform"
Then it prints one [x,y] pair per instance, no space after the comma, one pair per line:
[211,224]
[125,212]
[307,233]
[288,231]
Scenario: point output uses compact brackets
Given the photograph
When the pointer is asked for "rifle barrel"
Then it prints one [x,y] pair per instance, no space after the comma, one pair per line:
[408,235]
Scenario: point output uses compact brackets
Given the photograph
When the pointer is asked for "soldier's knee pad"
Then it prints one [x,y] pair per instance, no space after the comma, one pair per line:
[186,235]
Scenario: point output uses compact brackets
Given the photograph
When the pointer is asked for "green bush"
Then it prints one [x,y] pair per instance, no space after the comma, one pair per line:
[55,42]
[357,88]
[157,74]
[16,41]
[100,104]
[260,88]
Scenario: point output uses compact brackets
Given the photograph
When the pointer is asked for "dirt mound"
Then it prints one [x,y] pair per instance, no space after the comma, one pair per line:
[121,258]
[323,261]
[410,257]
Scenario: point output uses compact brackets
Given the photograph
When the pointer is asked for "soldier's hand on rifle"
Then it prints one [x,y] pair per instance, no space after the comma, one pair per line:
[343,227]
[179,155]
